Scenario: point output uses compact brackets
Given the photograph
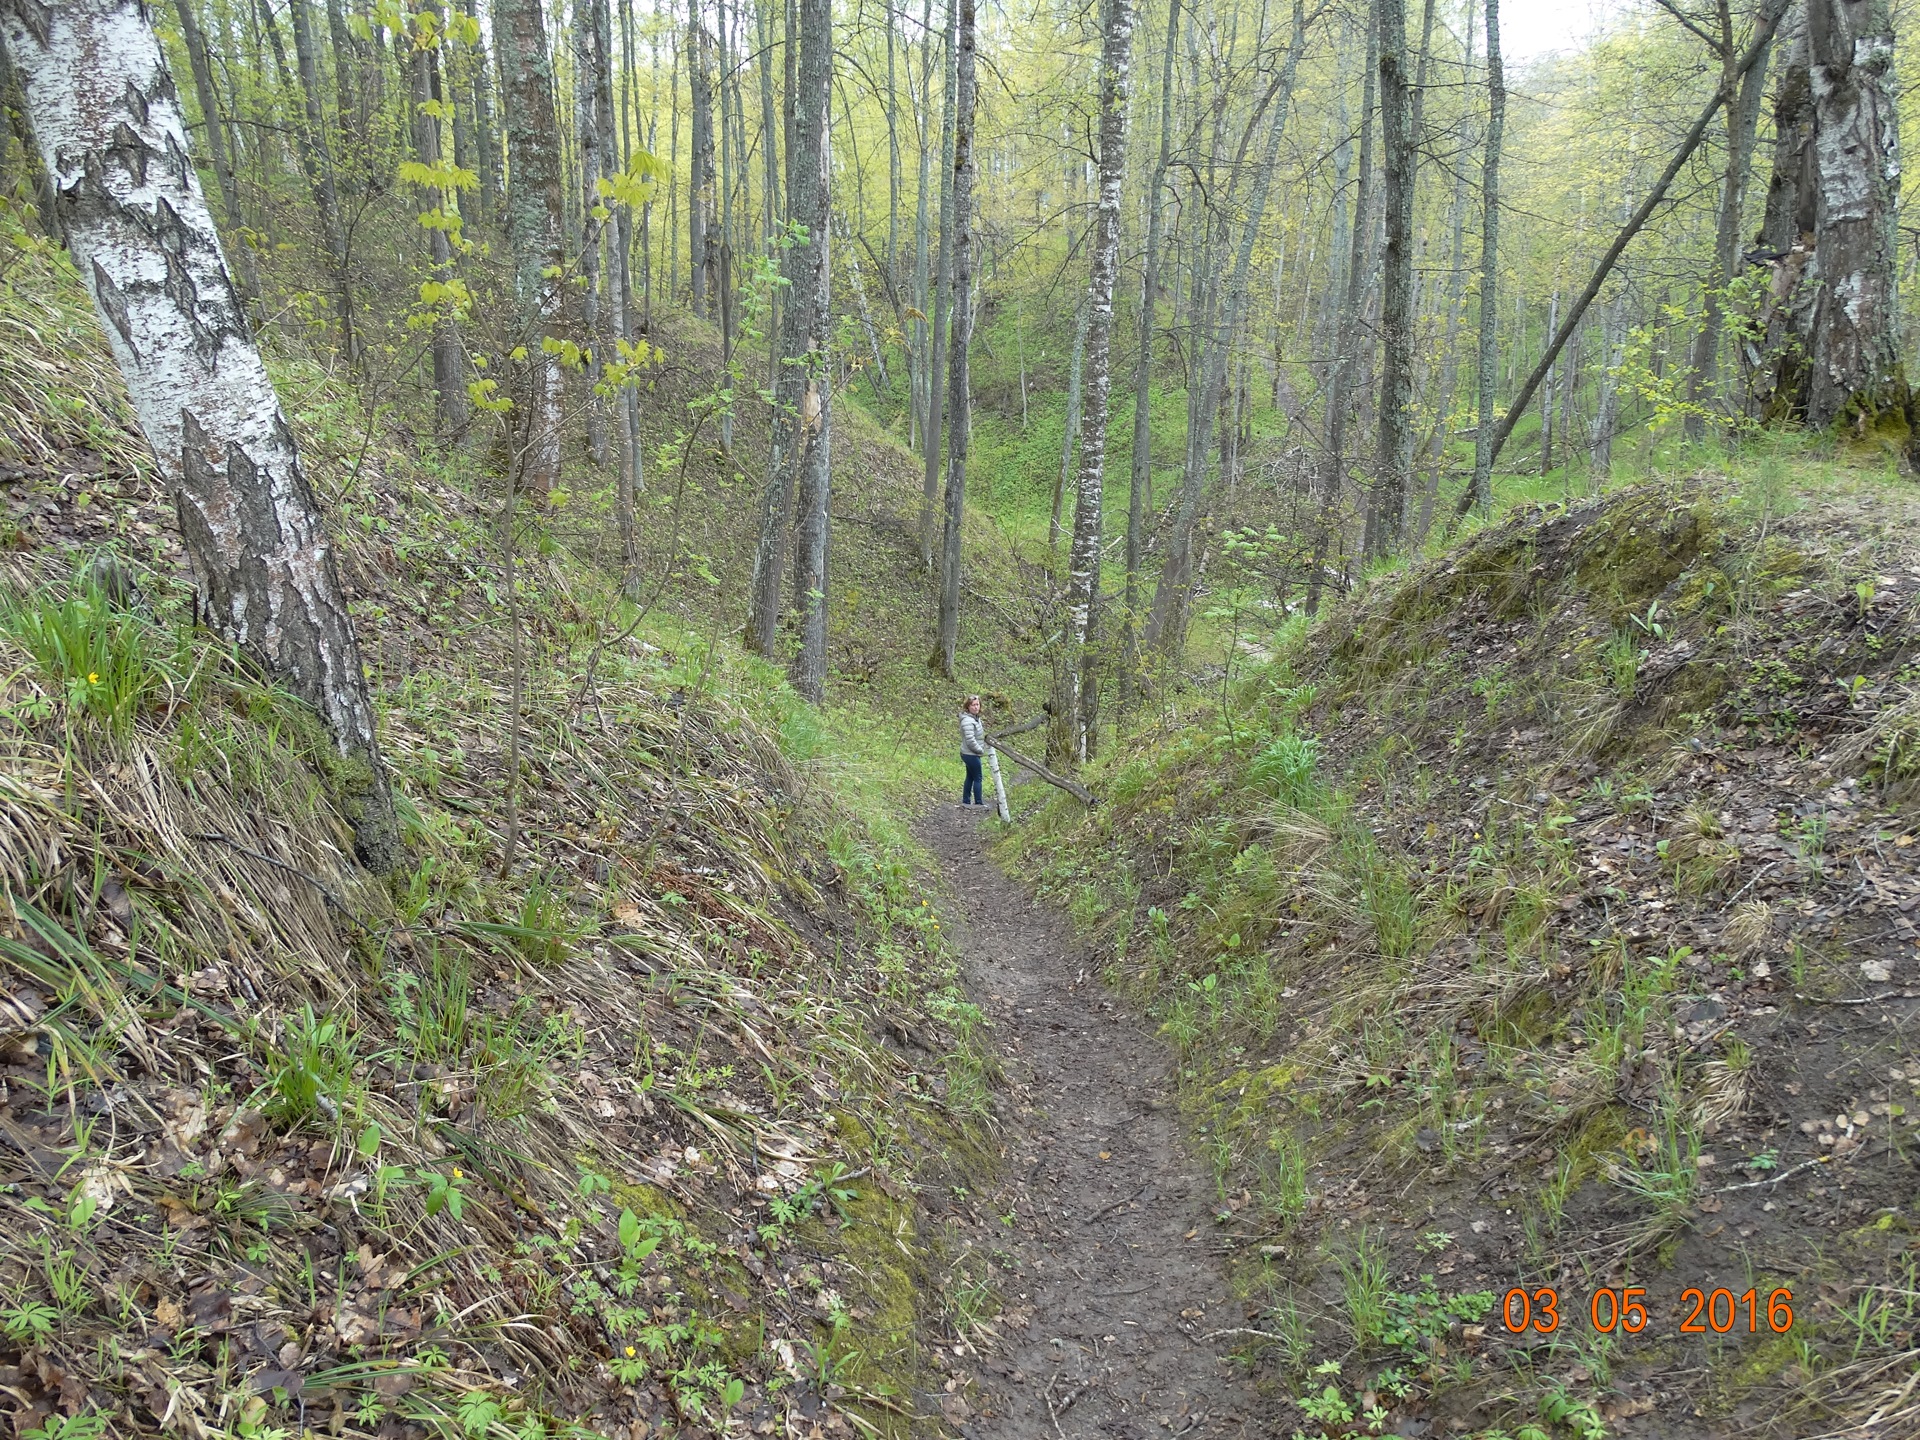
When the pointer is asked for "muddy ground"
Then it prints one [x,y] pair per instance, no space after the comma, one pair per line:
[1113,1303]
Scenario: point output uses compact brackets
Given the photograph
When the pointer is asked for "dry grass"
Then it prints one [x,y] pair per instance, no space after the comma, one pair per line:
[268,1072]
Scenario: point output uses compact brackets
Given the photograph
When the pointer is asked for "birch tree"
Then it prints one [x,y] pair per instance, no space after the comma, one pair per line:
[959,384]
[1074,690]
[114,139]
[1836,181]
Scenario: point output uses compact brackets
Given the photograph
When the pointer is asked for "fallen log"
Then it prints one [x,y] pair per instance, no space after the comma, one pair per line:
[1072,787]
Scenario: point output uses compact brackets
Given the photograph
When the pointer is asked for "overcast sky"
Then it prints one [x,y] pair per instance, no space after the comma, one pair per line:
[1531,28]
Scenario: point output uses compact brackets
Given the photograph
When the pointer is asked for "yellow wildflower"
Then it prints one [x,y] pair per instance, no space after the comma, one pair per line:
[93,677]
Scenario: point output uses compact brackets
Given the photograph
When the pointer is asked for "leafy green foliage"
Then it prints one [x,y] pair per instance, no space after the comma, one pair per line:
[104,660]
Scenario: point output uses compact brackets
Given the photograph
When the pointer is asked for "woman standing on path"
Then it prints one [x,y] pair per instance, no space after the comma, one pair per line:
[973,744]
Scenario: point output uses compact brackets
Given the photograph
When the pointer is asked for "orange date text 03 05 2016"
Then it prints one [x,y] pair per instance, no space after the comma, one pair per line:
[1624,1311]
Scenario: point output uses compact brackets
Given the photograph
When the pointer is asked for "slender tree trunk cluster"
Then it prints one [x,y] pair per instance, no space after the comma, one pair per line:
[800,462]
[1340,325]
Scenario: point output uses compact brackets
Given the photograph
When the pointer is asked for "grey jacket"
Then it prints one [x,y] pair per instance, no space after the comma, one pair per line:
[973,734]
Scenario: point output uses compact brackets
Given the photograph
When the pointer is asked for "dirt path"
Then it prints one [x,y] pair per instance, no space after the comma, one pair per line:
[1110,1287]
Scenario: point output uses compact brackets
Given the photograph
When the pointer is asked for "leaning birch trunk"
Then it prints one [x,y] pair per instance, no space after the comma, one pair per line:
[959,381]
[810,203]
[1074,672]
[115,143]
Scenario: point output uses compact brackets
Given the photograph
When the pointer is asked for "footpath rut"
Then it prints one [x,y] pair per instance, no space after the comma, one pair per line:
[1111,1289]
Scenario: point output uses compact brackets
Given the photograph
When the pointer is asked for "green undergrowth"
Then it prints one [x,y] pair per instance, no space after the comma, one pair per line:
[609,1113]
[1473,918]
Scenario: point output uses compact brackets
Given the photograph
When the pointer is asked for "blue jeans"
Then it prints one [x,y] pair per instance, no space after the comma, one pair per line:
[970,792]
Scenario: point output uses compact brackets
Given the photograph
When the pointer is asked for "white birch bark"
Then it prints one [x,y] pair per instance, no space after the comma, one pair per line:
[114,140]
[999,785]
[1072,712]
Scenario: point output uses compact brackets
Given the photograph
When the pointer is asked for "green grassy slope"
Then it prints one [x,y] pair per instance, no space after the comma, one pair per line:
[1539,919]
[623,1124]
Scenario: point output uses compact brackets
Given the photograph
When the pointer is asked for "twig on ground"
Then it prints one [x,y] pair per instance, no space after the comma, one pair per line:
[1109,1209]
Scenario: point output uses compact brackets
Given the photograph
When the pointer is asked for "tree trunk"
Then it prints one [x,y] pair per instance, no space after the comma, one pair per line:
[1449,353]
[616,146]
[1546,392]
[1394,463]
[700,215]
[534,229]
[318,157]
[593,128]
[1480,492]
[486,142]
[1769,20]
[449,356]
[799,453]
[1607,411]
[1743,118]
[1140,490]
[959,387]
[217,146]
[770,158]
[942,301]
[1076,369]
[1846,373]
[111,131]
[893,160]
[1166,628]
[1350,325]
[810,200]
[1786,239]
[352,127]
[922,388]
[1075,674]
